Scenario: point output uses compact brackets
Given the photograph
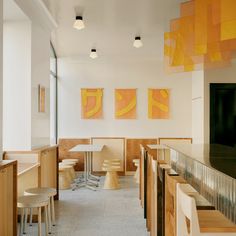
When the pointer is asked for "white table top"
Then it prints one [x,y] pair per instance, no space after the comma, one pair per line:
[87,148]
[157,146]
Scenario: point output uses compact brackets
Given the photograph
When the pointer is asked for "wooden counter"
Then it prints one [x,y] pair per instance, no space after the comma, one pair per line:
[36,168]
[22,168]
[8,198]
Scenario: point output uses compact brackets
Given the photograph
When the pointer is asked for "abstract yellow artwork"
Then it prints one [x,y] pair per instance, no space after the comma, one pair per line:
[158,103]
[125,103]
[203,37]
[91,106]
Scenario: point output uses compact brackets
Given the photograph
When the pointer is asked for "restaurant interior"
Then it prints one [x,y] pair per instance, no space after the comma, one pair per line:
[118,117]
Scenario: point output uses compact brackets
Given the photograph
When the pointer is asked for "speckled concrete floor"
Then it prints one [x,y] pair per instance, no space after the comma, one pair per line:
[101,213]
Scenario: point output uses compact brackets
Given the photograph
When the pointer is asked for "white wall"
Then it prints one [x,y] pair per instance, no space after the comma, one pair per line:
[140,74]
[17,85]
[40,52]
[198,106]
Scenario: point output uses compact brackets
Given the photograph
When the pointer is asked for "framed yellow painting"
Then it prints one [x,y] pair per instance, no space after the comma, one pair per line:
[125,103]
[158,104]
[91,103]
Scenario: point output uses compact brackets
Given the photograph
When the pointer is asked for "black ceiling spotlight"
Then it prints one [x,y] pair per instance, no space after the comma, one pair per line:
[137,42]
[79,23]
[93,53]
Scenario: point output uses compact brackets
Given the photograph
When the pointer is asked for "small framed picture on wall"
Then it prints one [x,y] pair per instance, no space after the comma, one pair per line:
[41,98]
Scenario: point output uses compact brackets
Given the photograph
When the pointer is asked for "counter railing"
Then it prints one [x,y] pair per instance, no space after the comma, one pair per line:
[217,187]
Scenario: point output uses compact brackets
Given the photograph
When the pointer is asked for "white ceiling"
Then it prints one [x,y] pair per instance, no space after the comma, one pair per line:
[111,26]
[11,12]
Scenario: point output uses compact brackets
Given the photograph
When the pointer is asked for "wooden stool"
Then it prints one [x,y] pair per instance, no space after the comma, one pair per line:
[115,164]
[71,160]
[70,169]
[136,176]
[200,222]
[64,179]
[50,193]
[29,202]
[111,179]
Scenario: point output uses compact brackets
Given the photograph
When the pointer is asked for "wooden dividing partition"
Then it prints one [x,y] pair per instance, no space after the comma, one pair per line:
[8,198]
[152,182]
[66,144]
[170,203]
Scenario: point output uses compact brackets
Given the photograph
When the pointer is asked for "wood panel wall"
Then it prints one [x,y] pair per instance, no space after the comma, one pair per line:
[66,144]
[133,150]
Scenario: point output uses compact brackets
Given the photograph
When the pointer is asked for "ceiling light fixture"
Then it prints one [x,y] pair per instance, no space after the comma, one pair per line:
[93,53]
[137,42]
[79,23]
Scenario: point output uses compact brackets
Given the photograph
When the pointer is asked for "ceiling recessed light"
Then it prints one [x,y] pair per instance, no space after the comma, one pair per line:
[79,23]
[137,42]
[93,53]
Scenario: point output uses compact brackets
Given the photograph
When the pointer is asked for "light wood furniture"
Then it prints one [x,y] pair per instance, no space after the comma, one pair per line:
[67,171]
[28,202]
[114,148]
[70,168]
[50,193]
[133,151]
[66,144]
[111,166]
[64,179]
[136,176]
[36,168]
[8,198]
[203,222]
[71,160]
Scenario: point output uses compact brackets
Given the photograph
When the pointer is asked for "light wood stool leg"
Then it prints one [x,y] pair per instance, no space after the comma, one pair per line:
[53,211]
[25,220]
[39,222]
[46,219]
[31,216]
[22,220]
[49,217]
[111,181]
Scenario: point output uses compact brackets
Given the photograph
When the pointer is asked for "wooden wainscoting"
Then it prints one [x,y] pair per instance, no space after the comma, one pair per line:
[114,148]
[66,144]
[133,150]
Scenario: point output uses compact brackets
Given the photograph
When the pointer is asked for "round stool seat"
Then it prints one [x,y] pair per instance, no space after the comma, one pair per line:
[136,161]
[112,161]
[72,163]
[71,160]
[31,201]
[50,192]
[111,168]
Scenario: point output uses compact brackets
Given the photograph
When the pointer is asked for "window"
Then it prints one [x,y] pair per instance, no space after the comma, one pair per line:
[53,96]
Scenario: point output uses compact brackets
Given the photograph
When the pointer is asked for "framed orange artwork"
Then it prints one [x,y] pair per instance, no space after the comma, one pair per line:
[41,98]
[158,103]
[91,103]
[125,103]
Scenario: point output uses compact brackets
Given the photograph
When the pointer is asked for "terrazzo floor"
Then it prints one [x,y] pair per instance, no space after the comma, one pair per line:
[105,212]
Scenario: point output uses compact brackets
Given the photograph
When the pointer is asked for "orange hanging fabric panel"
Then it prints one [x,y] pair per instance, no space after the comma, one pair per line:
[228,19]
